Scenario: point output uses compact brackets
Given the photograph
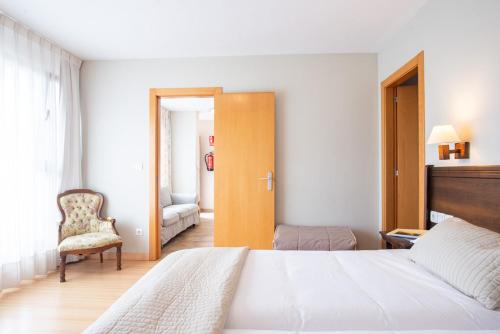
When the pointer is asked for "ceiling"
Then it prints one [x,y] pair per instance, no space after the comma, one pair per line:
[138,29]
[203,105]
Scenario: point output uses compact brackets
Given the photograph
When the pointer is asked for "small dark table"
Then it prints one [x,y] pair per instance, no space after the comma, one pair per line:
[395,242]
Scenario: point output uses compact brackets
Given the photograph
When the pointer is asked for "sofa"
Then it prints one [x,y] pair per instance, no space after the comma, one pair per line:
[180,211]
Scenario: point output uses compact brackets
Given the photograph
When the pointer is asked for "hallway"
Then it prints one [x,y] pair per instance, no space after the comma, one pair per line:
[201,235]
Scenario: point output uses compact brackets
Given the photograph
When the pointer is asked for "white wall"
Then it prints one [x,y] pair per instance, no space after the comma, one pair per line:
[205,129]
[184,151]
[326,146]
[461,42]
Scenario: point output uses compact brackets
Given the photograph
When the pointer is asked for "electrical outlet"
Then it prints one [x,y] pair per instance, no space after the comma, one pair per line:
[438,217]
[138,231]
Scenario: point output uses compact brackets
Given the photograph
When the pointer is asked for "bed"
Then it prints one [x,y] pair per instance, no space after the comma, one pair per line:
[240,291]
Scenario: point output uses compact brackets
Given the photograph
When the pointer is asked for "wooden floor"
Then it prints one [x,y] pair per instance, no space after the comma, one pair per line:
[199,236]
[47,306]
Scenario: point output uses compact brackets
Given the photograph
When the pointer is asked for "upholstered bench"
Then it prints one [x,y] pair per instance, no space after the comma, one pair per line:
[325,238]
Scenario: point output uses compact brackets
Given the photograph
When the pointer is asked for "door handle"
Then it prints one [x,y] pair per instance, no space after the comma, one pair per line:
[269,180]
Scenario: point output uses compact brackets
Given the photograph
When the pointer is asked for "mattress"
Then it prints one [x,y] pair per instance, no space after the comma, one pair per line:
[286,291]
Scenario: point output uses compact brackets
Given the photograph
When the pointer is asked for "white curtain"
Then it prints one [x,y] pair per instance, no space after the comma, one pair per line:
[198,161]
[40,148]
[165,148]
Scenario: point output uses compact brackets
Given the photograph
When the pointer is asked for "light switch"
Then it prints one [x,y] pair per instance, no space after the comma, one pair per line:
[434,217]
[139,166]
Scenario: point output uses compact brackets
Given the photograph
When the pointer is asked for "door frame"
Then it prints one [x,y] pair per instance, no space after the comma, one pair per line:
[413,67]
[155,94]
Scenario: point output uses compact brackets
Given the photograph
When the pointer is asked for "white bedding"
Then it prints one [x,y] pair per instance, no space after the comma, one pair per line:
[255,331]
[285,291]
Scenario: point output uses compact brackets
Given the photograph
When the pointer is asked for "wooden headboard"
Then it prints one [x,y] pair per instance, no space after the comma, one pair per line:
[471,193]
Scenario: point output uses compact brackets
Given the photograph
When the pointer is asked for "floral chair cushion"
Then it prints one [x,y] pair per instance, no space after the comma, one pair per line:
[88,240]
[81,215]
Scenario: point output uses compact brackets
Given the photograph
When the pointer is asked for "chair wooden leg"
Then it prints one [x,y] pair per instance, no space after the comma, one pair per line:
[119,258]
[100,256]
[62,269]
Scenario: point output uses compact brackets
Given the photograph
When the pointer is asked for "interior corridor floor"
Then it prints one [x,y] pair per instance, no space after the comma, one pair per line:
[201,235]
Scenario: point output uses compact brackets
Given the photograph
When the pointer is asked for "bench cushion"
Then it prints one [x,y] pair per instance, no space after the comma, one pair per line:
[325,238]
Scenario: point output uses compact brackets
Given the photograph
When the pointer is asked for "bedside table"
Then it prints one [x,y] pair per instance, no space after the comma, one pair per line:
[395,242]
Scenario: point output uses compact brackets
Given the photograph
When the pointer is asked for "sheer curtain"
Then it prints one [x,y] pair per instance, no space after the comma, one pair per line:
[39,148]
[165,148]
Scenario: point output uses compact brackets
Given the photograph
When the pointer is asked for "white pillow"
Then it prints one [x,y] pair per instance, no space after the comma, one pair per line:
[165,198]
[464,255]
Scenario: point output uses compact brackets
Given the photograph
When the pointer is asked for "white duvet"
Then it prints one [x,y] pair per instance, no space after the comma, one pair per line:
[289,291]
[213,290]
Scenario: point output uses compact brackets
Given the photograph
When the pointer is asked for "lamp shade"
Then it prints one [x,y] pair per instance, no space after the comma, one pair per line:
[443,134]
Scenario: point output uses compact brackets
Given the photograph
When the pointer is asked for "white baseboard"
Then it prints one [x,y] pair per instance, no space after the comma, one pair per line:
[125,256]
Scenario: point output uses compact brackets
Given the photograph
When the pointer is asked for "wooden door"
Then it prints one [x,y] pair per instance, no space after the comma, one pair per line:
[244,156]
[407,157]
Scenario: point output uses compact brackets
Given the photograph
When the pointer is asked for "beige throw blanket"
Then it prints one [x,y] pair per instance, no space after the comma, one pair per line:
[190,291]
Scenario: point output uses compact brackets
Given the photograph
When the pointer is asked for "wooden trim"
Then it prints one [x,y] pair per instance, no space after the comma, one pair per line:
[404,73]
[388,160]
[154,172]
[154,156]
[206,210]
[421,140]
[414,67]
[186,92]
[477,172]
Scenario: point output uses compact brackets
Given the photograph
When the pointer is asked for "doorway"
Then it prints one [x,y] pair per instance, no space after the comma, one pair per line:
[244,204]
[155,208]
[403,147]
[186,177]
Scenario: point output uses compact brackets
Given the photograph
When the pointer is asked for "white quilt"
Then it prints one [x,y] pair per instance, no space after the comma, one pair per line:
[190,291]
[330,292]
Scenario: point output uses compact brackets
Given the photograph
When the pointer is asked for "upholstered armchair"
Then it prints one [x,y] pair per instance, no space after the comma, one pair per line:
[82,229]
